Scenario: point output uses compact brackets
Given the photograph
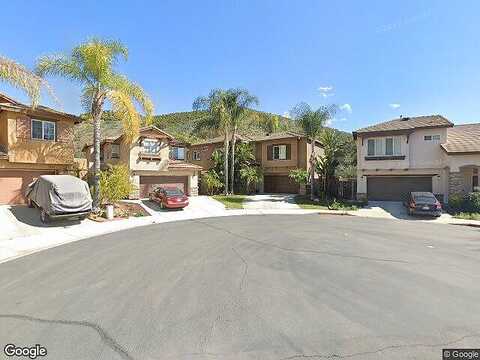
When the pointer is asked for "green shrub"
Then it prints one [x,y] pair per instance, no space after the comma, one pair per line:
[455,202]
[115,184]
[300,176]
[212,181]
[251,175]
[472,202]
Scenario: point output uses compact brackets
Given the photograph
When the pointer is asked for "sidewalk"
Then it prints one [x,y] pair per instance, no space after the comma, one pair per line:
[24,234]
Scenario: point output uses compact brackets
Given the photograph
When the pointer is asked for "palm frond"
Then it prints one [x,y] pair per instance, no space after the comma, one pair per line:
[124,110]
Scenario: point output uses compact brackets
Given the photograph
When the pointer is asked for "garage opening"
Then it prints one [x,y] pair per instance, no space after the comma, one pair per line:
[149,183]
[13,184]
[396,188]
[279,184]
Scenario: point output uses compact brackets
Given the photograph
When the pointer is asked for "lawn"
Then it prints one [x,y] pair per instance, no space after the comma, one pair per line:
[467,216]
[231,201]
[305,203]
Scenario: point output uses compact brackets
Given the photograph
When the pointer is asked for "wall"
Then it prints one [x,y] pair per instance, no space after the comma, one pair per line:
[206,151]
[362,151]
[27,150]
[426,154]
[279,166]
[135,163]
[4,129]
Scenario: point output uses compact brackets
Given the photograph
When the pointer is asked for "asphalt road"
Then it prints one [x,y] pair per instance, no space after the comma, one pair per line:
[250,287]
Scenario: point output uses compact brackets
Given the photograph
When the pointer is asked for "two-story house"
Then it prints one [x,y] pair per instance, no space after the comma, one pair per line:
[276,153]
[424,153]
[154,159]
[33,142]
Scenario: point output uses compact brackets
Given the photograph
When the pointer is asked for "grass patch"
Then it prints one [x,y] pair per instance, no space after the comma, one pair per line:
[305,203]
[467,216]
[231,201]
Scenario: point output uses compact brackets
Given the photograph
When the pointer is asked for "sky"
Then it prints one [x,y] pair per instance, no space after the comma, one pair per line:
[375,59]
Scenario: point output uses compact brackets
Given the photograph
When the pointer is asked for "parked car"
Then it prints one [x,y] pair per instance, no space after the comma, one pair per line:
[169,197]
[60,196]
[423,203]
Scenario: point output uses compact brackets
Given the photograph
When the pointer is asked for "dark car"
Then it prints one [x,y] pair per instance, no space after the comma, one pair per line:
[60,196]
[169,197]
[423,203]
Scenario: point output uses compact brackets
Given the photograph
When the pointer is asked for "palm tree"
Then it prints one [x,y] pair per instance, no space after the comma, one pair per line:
[20,77]
[239,101]
[217,118]
[91,64]
[312,123]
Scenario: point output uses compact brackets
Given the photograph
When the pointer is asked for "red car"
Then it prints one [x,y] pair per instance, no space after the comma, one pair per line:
[169,198]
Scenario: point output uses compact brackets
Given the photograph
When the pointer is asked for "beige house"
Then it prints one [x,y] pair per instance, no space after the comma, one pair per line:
[154,159]
[33,142]
[424,153]
[276,153]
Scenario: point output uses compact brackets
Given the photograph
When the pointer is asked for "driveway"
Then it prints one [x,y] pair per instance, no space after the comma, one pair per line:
[396,210]
[270,201]
[257,287]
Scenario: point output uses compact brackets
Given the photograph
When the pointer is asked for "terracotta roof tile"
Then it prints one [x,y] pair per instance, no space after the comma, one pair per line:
[463,139]
[407,123]
[178,164]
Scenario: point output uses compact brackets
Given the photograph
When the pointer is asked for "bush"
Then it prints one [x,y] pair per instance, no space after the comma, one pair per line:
[251,175]
[212,181]
[300,176]
[115,184]
[472,202]
[455,201]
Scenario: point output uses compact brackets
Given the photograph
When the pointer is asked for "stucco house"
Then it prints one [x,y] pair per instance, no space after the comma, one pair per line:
[154,158]
[423,153]
[276,153]
[33,142]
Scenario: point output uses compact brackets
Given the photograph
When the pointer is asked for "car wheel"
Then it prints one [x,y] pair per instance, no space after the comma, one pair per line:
[44,216]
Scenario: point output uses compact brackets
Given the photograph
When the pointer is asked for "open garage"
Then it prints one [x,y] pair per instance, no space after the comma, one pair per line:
[149,183]
[396,188]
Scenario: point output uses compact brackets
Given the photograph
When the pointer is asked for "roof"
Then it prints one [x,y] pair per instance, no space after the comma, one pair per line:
[9,104]
[220,139]
[280,135]
[405,124]
[463,139]
[178,164]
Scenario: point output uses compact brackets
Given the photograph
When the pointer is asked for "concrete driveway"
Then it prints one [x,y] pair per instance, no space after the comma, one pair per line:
[270,201]
[396,210]
[257,287]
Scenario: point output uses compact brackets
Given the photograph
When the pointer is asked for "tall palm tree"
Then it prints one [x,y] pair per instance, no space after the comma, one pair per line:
[218,119]
[91,64]
[20,77]
[239,100]
[312,122]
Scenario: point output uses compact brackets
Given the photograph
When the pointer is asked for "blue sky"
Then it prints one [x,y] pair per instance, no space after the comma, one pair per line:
[382,58]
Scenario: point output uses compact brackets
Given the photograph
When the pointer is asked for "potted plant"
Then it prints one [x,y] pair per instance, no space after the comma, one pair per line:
[115,185]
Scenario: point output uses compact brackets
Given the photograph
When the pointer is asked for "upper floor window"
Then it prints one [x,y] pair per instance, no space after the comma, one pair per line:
[431,138]
[389,146]
[280,152]
[177,153]
[196,155]
[43,130]
[151,146]
[115,154]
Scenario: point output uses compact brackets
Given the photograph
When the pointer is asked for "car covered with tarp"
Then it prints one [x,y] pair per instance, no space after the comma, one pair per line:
[60,196]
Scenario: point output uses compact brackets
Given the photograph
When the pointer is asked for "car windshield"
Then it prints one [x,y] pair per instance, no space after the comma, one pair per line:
[425,199]
[173,192]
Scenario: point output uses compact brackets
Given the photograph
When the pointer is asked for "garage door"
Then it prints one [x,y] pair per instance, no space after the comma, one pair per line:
[13,184]
[396,188]
[149,183]
[279,184]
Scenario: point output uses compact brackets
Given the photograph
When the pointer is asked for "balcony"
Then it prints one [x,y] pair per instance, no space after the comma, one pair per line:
[149,156]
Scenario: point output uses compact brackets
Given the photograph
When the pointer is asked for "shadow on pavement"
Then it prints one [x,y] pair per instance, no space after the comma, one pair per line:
[396,209]
[31,216]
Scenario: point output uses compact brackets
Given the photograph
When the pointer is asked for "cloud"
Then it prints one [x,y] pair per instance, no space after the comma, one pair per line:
[394,105]
[346,107]
[326,91]
[286,114]
[335,120]
[404,22]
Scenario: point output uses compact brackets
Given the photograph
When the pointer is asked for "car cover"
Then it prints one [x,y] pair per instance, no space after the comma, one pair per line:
[60,194]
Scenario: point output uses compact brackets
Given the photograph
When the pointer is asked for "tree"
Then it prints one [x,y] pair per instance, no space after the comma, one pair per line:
[239,101]
[212,181]
[115,184]
[312,123]
[251,175]
[333,146]
[91,64]
[20,77]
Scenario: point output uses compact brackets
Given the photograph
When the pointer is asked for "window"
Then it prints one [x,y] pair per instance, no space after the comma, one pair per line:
[280,152]
[196,155]
[390,146]
[151,146]
[115,151]
[177,153]
[431,138]
[43,130]
[371,147]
